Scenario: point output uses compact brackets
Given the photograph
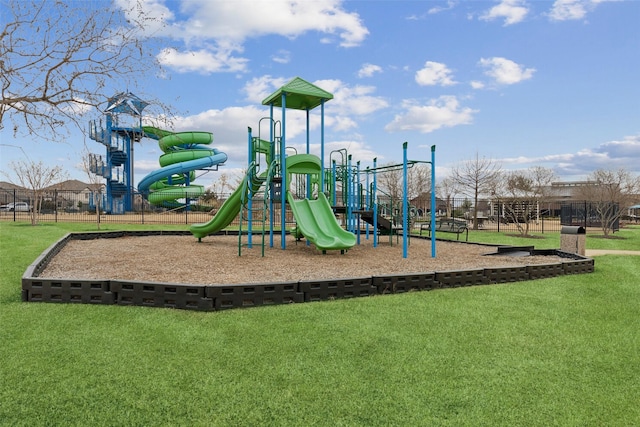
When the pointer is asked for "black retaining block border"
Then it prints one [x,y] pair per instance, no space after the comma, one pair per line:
[68,290]
[166,295]
[253,294]
[505,274]
[394,284]
[578,266]
[325,290]
[222,297]
[544,271]
[455,279]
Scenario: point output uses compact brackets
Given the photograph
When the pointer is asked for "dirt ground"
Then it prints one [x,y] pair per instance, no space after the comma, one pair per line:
[181,259]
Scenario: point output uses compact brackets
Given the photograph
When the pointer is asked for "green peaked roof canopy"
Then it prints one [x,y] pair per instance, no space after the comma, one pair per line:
[301,95]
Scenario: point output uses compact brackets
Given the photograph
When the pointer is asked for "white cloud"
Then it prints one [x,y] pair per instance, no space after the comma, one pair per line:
[201,61]
[368,70]
[437,9]
[450,4]
[218,29]
[281,57]
[434,73]
[505,71]
[77,107]
[513,12]
[475,84]
[358,100]
[444,111]
[152,15]
[340,123]
[243,19]
[572,10]
[628,148]
[609,155]
[259,88]
[567,10]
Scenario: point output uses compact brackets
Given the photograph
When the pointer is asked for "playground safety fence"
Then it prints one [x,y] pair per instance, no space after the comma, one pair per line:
[78,206]
[493,214]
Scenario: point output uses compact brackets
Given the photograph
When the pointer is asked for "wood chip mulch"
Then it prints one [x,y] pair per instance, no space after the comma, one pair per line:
[215,260]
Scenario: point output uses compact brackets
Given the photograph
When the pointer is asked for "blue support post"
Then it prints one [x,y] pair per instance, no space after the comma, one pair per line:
[367,204]
[272,145]
[321,143]
[309,176]
[433,201]
[358,201]
[349,195]
[128,171]
[251,159]
[334,191]
[107,132]
[283,173]
[375,204]
[405,201]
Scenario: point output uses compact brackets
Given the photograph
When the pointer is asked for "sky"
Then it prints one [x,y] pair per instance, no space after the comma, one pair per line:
[524,83]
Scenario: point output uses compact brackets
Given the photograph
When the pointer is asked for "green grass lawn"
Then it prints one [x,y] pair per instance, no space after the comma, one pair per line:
[562,351]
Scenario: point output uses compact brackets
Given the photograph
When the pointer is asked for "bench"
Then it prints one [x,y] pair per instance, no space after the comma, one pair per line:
[447,225]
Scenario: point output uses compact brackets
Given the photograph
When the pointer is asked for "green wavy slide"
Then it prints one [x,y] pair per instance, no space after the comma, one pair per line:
[317,222]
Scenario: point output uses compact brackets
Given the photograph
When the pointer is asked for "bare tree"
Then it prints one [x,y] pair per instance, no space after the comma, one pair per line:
[60,59]
[476,177]
[610,193]
[91,164]
[390,177]
[36,177]
[522,193]
[217,191]
[446,189]
[419,184]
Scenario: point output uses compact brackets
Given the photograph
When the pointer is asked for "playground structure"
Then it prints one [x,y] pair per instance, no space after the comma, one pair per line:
[276,177]
[184,154]
[121,128]
[272,181]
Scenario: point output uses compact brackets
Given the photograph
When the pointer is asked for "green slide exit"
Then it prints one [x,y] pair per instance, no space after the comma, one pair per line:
[317,222]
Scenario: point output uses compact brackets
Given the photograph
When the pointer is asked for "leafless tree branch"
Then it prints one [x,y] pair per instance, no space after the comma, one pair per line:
[60,60]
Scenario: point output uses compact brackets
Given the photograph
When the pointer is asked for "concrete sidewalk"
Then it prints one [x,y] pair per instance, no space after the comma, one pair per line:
[596,252]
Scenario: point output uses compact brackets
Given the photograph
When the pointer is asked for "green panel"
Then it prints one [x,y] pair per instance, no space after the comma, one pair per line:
[303,164]
[301,95]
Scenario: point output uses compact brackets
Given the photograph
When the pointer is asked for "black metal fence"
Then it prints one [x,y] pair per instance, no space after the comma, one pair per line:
[496,214]
[492,214]
[587,215]
[80,206]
